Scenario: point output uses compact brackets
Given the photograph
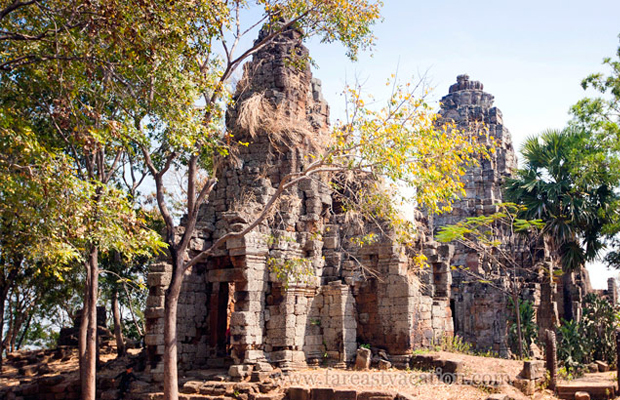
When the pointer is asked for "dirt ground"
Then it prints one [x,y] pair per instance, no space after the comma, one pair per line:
[481,377]
[45,366]
[477,371]
[26,366]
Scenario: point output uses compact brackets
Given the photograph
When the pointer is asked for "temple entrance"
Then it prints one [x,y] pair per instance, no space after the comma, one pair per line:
[221,306]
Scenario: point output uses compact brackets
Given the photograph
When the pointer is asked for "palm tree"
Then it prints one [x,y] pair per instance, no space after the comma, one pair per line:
[565,183]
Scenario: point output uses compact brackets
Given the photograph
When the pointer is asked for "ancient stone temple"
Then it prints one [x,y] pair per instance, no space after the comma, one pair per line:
[480,310]
[249,303]
[234,307]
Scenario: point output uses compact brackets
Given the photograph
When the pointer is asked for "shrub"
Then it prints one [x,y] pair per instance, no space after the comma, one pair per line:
[599,323]
[572,347]
[591,339]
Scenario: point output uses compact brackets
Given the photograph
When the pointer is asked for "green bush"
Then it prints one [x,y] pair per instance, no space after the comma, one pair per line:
[599,323]
[572,348]
[591,339]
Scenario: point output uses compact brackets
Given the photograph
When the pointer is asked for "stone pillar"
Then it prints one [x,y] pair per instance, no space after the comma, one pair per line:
[247,323]
[551,358]
[158,280]
[339,324]
[612,291]
[287,324]
[547,316]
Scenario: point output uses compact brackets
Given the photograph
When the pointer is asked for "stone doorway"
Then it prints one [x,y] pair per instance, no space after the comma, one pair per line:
[221,305]
[221,308]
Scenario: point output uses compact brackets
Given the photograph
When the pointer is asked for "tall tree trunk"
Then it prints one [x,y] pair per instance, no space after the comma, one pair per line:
[25,331]
[515,301]
[515,297]
[17,324]
[20,312]
[3,294]
[171,383]
[118,332]
[7,284]
[83,334]
[6,343]
[88,366]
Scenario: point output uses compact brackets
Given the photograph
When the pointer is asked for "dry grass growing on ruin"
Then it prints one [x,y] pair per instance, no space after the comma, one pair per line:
[258,115]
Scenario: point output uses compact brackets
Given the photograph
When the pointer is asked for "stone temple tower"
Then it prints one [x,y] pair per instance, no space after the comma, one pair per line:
[235,308]
[472,109]
[480,311]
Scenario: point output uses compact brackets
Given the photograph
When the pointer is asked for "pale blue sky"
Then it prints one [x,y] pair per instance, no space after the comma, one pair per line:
[531,55]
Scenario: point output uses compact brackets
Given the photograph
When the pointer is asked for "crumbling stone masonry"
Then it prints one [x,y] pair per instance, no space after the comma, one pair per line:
[611,293]
[480,311]
[234,309]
